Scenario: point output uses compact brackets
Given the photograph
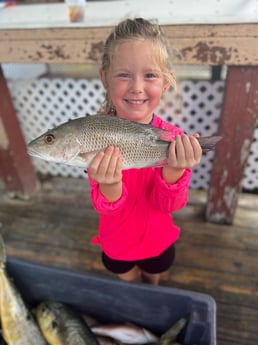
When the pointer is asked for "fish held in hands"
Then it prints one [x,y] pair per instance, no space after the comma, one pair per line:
[18,325]
[62,326]
[77,142]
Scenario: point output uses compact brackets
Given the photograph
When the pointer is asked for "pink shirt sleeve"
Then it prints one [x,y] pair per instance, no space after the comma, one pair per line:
[101,204]
[170,197]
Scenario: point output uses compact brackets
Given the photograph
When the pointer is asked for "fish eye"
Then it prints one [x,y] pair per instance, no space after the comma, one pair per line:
[28,317]
[54,324]
[49,139]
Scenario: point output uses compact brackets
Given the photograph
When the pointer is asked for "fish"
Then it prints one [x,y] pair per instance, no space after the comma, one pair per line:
[18,324]
[60,325]
[126,333]
[169,337]
[77,142]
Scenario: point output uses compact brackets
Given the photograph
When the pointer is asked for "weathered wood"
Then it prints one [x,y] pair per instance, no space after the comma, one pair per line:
[56,224]
[231,44]
[237,125]
[15,165]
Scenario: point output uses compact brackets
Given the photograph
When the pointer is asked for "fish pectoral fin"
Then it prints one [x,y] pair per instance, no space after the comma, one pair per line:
[160,163]
[87,157]
[156,134]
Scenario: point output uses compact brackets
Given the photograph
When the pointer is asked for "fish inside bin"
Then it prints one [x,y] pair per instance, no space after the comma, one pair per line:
[51,303]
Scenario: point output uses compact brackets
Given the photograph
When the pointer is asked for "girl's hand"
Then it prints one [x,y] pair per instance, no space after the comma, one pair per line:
[106,167]
[184,152]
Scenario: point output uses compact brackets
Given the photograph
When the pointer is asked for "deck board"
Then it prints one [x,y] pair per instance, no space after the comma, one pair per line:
[56,224]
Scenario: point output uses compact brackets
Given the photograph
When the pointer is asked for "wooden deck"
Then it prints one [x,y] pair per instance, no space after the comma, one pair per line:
[56,224]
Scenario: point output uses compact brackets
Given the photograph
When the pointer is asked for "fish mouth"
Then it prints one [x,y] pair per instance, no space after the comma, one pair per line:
[34,153]
[31,152]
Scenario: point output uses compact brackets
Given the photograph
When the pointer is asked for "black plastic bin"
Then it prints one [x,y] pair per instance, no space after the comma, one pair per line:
[110,300]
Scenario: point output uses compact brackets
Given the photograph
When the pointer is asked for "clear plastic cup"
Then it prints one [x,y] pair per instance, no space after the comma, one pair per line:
[76,10]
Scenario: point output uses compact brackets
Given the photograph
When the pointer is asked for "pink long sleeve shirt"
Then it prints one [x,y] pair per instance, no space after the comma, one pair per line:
[139,225]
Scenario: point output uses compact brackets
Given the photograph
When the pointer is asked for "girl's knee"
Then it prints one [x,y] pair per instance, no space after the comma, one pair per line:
[130,276]
[149,278]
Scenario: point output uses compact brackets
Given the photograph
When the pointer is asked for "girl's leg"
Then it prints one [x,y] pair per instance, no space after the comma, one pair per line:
[130,276]
[151,268]
[149,278]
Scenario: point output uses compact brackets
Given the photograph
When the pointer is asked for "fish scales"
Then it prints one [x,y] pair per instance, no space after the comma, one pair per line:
[61,326]
[76,142]
[18,325]
[136,144]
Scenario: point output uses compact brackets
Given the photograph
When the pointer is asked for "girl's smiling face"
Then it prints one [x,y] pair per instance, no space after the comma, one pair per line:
[134,80]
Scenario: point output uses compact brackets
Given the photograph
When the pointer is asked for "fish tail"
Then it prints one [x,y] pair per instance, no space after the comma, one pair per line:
[209,143]
[2,253]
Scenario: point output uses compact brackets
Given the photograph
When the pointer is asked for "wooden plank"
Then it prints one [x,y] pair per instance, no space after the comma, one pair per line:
[15,166]
[232,44]
[56,224]
[176,31]
[237,125]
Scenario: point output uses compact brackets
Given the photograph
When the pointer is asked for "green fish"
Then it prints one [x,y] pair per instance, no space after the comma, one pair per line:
[169,337]
[62,326]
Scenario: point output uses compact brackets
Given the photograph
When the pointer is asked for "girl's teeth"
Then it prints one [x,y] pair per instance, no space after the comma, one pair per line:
[136,102]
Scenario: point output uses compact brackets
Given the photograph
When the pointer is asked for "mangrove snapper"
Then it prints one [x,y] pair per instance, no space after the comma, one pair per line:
[18,325]
[61,326]
[76,142]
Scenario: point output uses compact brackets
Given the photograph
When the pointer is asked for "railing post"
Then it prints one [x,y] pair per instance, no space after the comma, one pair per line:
[237,126]
[16,168]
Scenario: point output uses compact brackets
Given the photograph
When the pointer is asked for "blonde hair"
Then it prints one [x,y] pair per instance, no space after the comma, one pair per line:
[142,29]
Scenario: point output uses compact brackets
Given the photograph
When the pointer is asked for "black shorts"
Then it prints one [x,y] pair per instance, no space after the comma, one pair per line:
[157,264]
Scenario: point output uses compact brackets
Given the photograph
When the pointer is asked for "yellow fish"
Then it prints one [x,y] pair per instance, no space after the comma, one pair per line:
[18,324]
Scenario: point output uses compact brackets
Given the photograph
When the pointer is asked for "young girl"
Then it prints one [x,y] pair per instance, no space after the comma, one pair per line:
[136,230]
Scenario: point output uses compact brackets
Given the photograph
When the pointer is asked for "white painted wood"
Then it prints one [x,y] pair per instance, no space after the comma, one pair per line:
[109,13]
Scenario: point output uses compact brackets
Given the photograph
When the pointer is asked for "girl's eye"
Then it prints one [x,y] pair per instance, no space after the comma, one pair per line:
[151,75]
[124,75]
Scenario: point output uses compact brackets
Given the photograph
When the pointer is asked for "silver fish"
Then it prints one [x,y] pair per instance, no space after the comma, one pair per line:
[76,142]
[18,325]
[62,326]
[126,333]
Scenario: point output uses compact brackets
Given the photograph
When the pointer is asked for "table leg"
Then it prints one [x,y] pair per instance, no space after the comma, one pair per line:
[237,126]
[16,168]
